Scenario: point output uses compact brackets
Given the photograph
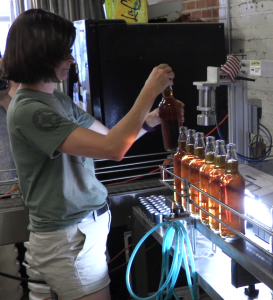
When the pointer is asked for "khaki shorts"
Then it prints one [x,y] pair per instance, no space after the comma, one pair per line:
[72,261]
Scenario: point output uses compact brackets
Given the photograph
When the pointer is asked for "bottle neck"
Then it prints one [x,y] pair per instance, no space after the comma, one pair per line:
[209,158]
[167,93]
[190,149]
[232,166]
[182,145]
[220,161]
[199,152]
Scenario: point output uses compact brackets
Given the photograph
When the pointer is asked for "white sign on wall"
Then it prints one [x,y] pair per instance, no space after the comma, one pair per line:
[255,67]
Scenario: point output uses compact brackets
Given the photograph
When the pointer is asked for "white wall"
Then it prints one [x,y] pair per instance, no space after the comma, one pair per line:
[252,33]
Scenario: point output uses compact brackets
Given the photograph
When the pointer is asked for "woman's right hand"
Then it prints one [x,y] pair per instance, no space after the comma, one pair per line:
[161,77]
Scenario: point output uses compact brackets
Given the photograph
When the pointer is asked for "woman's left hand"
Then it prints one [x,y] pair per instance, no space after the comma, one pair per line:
[153,117]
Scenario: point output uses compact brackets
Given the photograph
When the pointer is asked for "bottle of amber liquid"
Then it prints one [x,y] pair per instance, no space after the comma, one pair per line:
[177,162]
[204,177]
[214,182]
[187,158]
[169,113]
[232,193]
[194,167]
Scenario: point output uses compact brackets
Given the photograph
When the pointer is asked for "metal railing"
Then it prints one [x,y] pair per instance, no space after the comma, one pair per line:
[132,163]
[244,217]
[10,184]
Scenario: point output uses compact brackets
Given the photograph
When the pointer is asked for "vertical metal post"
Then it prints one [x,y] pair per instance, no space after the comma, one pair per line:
[84,11]
[28,4]
[21,6]
[246,117]
[36,4]
[96,7]
[271,237]
[238,116]
[193,236]
[73,10]
[228,27]
[53,6]
[231,117]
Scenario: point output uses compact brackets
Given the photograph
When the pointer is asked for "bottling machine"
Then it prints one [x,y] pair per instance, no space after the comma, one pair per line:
[239,269]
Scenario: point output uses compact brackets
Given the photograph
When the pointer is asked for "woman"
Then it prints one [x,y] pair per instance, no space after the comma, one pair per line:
[53,143]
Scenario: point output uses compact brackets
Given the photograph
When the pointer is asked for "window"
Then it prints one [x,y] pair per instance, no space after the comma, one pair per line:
[4,23]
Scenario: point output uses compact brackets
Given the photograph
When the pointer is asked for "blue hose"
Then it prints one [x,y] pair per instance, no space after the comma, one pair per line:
[175,230]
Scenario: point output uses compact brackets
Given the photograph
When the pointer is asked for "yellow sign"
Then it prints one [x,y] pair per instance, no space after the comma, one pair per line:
[133,11]
[255,63]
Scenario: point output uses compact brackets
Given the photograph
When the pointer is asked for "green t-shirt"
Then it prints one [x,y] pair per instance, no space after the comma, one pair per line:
[58,189]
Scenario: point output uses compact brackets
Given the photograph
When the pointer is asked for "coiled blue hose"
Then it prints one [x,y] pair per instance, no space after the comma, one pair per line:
[175,230]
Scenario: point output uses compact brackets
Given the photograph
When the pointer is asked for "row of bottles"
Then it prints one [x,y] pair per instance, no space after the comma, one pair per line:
[214,170]
[208,167]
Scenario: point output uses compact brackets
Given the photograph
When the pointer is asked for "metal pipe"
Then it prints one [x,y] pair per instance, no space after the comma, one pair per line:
[131,164]
[21,6]
[45,4]
[128,177]
[96,7]
[27,4]
[61,8]
[141,155]
[12,11]
[84,12]
[53,6]
[73,10]
[15,9]
[228,27]
[231,118]
[123,170]
[36,3]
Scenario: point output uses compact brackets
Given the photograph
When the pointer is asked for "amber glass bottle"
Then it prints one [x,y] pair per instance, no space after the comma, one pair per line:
[232,193]
[204,177]
[177,162]
[214,182]
[194,167]
[187,158]
[169,113]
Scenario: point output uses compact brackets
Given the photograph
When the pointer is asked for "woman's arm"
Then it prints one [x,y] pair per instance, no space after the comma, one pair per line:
[118,140]
[97,126]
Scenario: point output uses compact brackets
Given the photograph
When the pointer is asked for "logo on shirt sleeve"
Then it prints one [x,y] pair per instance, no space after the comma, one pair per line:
[46,119]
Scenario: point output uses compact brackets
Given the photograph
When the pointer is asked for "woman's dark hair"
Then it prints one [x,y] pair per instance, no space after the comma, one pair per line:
[37,42]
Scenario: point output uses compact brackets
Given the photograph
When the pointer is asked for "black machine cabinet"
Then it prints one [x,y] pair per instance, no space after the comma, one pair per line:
[115,59]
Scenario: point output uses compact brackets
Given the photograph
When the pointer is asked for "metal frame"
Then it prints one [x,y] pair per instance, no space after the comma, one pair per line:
[188,200]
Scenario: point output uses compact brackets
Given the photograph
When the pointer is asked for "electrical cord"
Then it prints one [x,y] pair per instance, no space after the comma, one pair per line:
[123,265]
[21,278]
[257,159]
[177,232]
[263,157]
[247,158]
[119,254]
[216,126]
[9,192]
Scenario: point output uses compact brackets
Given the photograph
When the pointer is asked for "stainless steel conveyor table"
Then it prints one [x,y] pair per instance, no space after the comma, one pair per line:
[213,269]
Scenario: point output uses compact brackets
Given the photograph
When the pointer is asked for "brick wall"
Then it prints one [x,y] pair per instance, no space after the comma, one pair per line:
[206,10]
